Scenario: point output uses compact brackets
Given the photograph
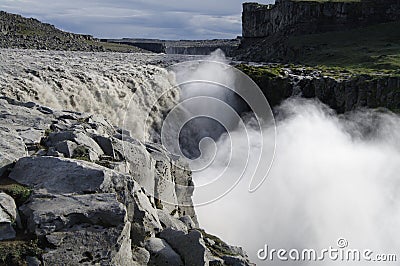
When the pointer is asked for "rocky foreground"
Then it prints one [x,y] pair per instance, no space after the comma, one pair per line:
[73,194]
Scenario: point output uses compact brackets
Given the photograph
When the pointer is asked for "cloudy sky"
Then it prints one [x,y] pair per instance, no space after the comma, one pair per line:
[166,19]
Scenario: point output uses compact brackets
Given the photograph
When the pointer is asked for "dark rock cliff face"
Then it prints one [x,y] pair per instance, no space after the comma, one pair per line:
[342,92]
[299,17]
[186,47]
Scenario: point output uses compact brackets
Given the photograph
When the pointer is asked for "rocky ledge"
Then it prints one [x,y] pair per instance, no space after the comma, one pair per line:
[342,90]
[74,190]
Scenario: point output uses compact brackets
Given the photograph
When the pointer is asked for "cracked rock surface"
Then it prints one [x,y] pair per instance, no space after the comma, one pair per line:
[97,195]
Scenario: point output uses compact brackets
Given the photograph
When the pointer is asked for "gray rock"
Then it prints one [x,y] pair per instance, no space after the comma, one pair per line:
[184,189]
[53,152]
[161,254]
[31,136]
[46,213]
[83,229]
[106,145]
[8,216]
[187,220]
[60,175]
[88,245]
[140,256]
[33,261]
[190,247]
[83,139]
[235,261]
[79,138]
[168,221]
[141,165]
[66,147]
[21,118]
[12,148]
[55,137]
[145,219]
[101,125]
[164,187]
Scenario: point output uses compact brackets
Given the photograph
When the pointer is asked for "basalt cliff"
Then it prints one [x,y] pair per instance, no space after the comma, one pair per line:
[267,28]
[344,53]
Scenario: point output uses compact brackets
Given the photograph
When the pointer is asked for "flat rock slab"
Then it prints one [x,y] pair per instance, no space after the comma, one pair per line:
[48,213]
[90,245]
[60,175]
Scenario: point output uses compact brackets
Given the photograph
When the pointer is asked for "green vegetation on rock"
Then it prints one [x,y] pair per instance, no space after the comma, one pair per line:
[366,50]
[81,153]
[18,192]
[15,252]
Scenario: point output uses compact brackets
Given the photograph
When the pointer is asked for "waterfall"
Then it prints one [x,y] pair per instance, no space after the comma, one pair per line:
[120,87]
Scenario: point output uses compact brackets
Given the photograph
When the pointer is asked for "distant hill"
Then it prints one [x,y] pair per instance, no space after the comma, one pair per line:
[29,33]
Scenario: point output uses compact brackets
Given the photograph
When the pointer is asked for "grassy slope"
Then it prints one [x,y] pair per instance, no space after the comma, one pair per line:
[374,48]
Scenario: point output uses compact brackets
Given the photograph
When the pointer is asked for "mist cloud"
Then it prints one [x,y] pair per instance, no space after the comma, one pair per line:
[332,177]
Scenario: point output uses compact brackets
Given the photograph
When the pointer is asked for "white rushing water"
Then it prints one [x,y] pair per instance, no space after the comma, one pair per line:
[114,85]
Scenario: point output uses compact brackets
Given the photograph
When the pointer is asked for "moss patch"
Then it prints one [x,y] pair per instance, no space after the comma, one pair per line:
[270,71]
[15,252]
[18,192]
[81,153]
[368,49]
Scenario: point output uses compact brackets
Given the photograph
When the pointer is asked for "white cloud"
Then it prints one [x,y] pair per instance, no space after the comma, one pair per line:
[172,19]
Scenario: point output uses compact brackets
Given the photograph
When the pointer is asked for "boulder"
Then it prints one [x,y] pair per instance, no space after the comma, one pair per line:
[168,221]
[47,213]
[23,117]
[66,147]
[145,219]
[31,136]
[190,246]
[88,147]
[61,175]
[82,229]
[90,244]
[106,145]
[187,220]
[161,254]
[140,256]
[8,216]
[12,148]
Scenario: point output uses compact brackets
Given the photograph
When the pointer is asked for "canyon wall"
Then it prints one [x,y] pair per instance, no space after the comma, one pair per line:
[341,91]
[300,17]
